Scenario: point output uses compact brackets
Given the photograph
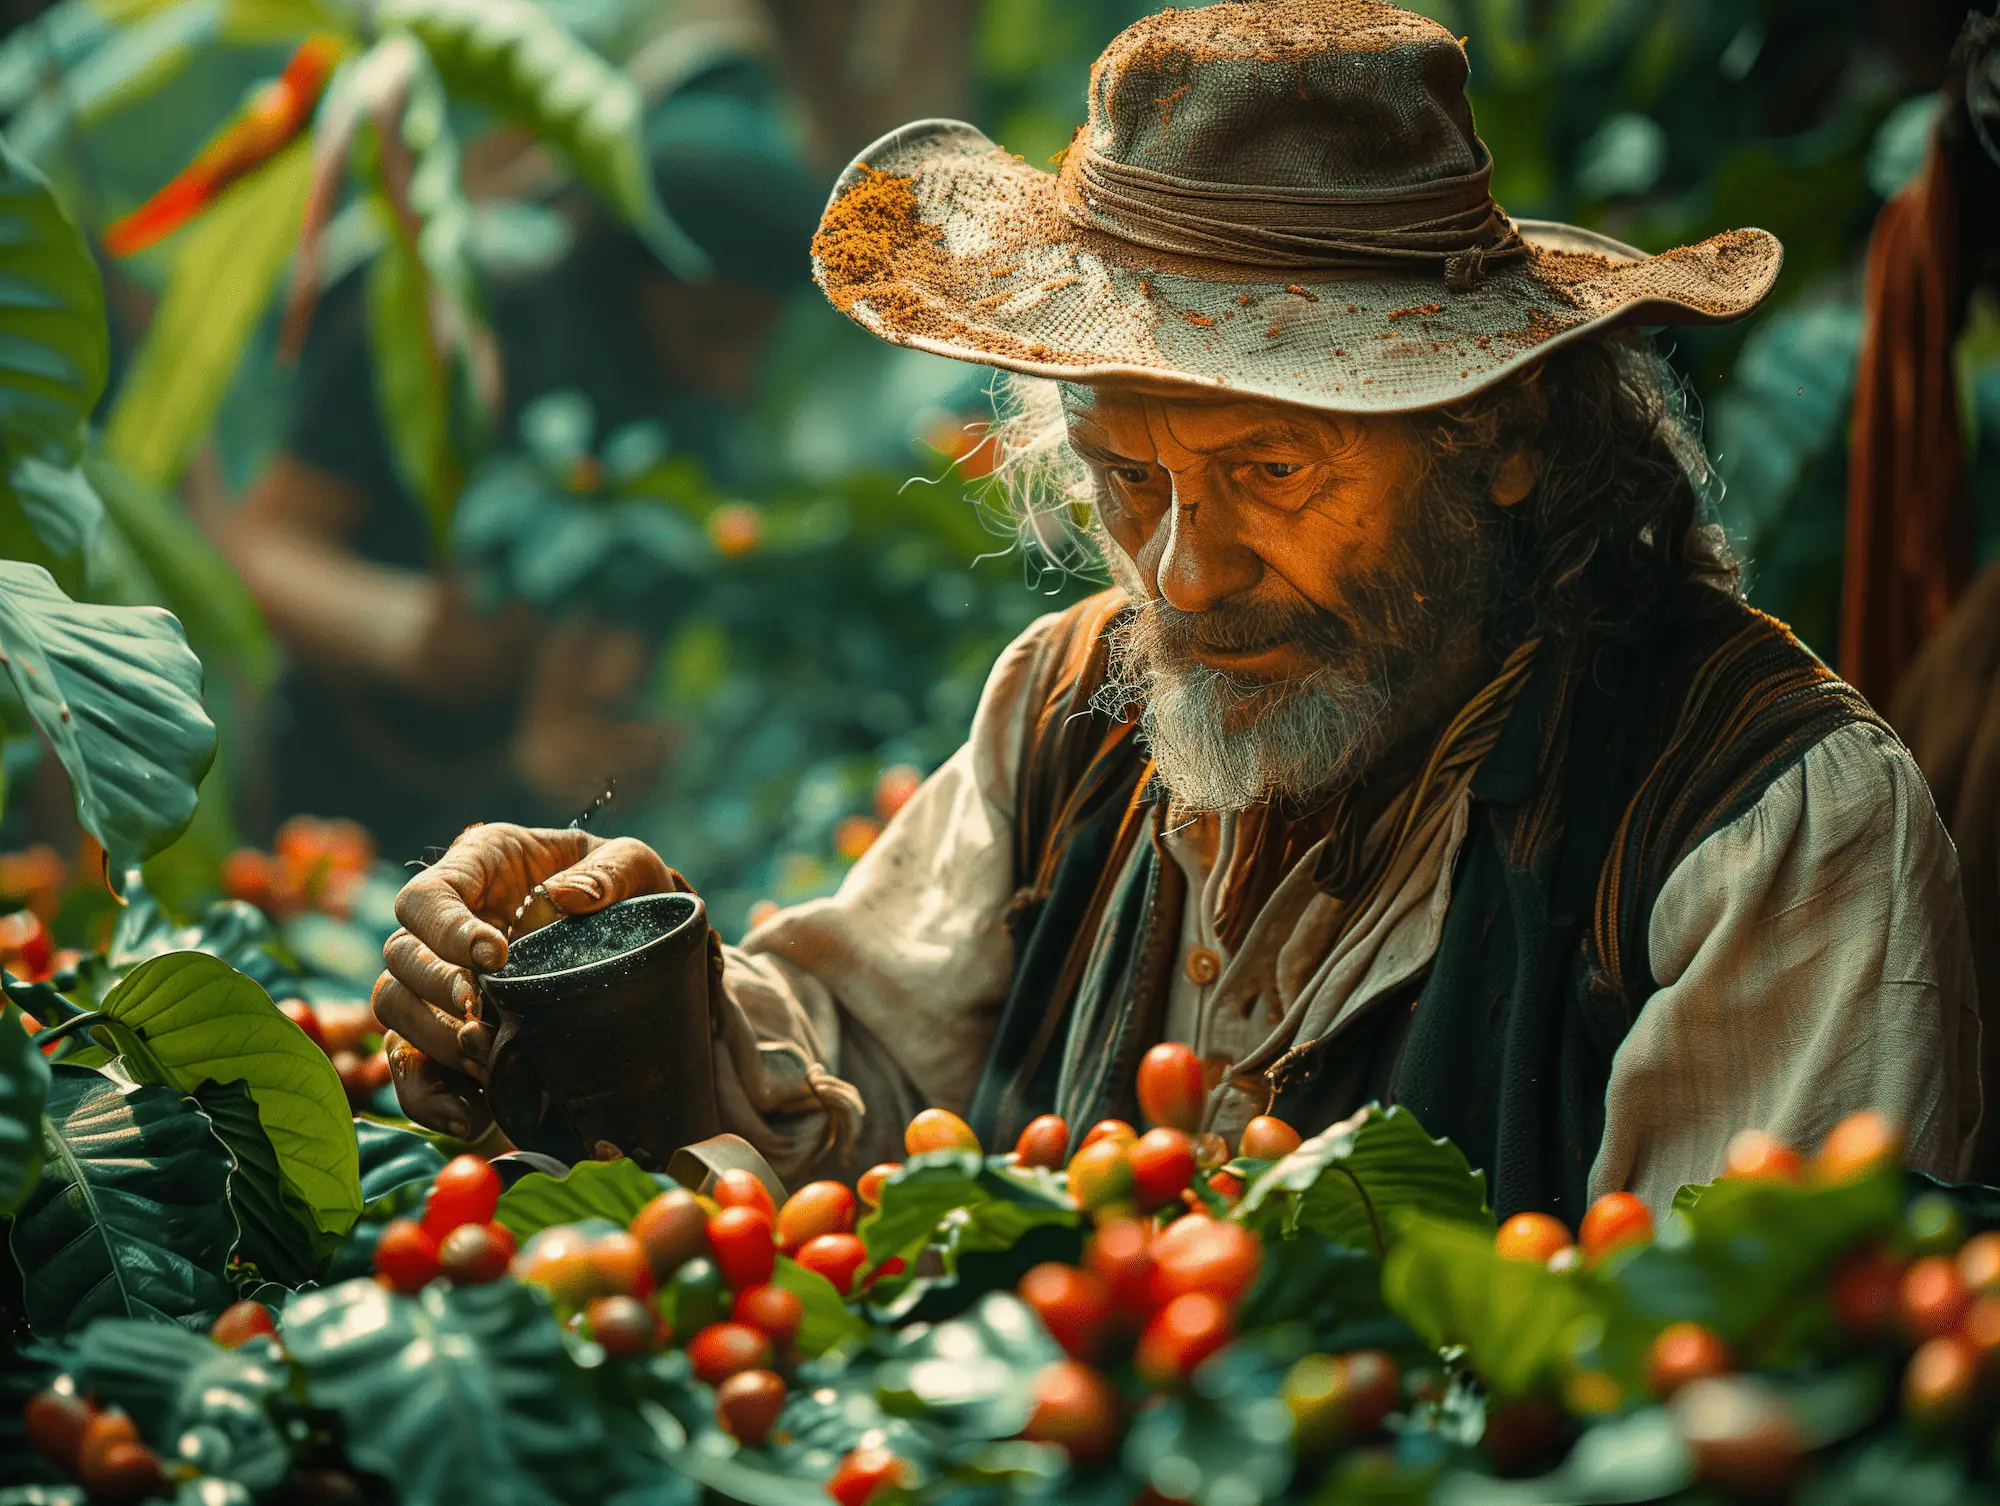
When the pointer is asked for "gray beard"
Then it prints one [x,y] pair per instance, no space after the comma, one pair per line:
[1221,744]
[1219,747]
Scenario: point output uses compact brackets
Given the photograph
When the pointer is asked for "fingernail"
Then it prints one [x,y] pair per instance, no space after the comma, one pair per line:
[456,1128]
[486,953]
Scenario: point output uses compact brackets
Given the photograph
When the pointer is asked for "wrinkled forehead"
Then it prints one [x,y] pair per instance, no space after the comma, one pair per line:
[1137,411]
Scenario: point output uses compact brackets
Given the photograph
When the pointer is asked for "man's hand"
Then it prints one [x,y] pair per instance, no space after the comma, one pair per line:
[455,916]
[574,736]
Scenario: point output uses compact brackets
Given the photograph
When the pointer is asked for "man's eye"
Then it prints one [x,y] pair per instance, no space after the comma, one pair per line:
[1132,475]
[1279,469]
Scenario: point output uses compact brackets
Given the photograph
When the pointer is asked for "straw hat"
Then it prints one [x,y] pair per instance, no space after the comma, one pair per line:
[1284,198]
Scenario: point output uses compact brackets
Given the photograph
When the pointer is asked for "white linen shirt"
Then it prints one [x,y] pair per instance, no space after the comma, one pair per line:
[1811,956]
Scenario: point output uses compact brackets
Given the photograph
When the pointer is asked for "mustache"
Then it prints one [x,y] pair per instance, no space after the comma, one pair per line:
[1245,627]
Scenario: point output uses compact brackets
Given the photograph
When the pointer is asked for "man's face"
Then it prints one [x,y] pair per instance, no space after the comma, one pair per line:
[1302,583]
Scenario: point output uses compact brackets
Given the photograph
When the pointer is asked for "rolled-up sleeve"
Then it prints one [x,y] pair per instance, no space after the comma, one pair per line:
[1812,960]
[846,1015]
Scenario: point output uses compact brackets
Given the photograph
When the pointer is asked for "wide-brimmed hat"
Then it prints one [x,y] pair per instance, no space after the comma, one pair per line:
[1284,198]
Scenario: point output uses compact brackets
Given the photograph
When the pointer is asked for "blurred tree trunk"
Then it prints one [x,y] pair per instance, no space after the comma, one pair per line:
[864,67]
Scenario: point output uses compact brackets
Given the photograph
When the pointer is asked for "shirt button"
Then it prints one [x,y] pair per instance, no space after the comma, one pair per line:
[1203,966]
[1275,1014]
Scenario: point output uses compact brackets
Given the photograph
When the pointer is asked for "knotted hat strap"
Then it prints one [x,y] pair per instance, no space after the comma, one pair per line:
[1450,223]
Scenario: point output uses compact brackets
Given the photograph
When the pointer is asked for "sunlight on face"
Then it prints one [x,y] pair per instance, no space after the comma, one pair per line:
[1296,578]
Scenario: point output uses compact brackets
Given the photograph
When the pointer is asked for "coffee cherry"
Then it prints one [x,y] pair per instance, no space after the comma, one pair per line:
[938,1129]
[741,1240]
[1044,1142]
[725,1349]
[1100,1175]
[1226,1185]
[870,1185]
[1532,1237]
[1109,1129]
[772,1311]
[1857,1145]
[1684,1352]
[1864,1290]
[698,1296]
[1162,1164]
[240,1322]
[1074,1305]
[406,1256]
[125,1470]
[467,1191]
[815,1209]
[1934,1298]
[54,1422]
[747,1405]
[1172,1093]
[1979,1262]
[672,1229]
[864,1472]
[1616,1221]
[1268,1139]
[836,1257]
[736,1188]
[1180,1336]
[1939,1385]
[302,1015]
[1120,1254]
[1740,1433]
[1934,1224]
[623,1324]
[473,1255]
[1201,1254]
[1754,1155]
[1076,1409]
[619,1266]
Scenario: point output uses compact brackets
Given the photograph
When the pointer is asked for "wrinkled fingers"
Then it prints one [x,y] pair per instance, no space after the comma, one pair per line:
[435,1032]
[433,1095]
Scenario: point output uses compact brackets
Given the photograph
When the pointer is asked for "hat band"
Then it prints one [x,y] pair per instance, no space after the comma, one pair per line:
[1452,223]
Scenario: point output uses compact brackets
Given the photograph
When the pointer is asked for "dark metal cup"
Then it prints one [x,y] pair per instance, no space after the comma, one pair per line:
[603,1032]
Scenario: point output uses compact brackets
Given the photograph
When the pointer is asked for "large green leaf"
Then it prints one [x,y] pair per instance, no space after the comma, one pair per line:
[192,578]
[131,1218]
[54,346]
[413,381]
[24,1084]
[278,1233]
[1515,1318]
[118,696]
[1750,1258]
[964,1201]
[224,274]
[196,1020]
[1356,1180]
[514,58]
[456,1394]
[976,1373]
[593,1189]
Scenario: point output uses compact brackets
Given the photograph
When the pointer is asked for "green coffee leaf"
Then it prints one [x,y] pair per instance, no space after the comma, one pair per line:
[1357,1180]
[194,1019]
[1514,1317]
[593,1189]
[118,696]
[131,1218]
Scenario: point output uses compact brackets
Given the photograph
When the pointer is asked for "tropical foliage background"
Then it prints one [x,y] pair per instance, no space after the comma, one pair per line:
[835,615]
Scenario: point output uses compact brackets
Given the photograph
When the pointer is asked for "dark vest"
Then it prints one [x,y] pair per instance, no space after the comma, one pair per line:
[1615,761]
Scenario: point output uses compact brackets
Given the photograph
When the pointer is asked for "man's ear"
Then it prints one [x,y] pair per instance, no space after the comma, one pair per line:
[1516,476]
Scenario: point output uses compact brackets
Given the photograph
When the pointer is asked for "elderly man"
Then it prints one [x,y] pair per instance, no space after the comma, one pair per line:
[1425,750]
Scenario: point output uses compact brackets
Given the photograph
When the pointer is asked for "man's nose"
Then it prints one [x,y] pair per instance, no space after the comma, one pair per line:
[1203,561]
